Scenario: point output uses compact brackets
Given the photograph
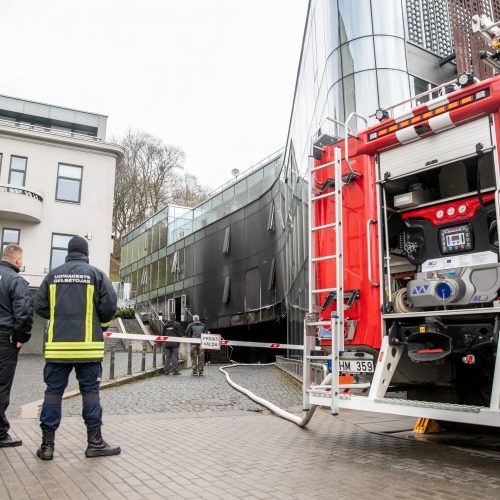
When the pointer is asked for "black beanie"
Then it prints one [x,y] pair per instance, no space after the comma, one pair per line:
[78,244]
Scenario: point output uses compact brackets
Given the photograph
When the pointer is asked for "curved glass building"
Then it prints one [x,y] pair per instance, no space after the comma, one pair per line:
[239,260]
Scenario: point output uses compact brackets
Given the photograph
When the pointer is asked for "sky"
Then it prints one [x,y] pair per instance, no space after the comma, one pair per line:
[213,77]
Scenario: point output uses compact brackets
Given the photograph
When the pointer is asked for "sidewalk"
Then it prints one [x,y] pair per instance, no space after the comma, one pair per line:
[237,454]
[189,437]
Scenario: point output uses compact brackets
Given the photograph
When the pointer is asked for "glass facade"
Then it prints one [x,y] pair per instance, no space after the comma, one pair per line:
[153,257]
[244,251]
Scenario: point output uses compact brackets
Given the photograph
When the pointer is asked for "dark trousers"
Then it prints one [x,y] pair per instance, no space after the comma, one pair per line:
[55,375]
[171,356]
[8,363]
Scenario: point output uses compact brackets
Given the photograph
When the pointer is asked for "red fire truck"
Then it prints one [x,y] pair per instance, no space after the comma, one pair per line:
[404,259]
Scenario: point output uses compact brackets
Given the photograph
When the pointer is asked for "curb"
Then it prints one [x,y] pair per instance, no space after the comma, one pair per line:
[32,410]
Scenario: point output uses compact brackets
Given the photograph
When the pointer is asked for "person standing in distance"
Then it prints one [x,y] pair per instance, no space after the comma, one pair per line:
[16,319]
[79,301]
[171,349]
[194,330]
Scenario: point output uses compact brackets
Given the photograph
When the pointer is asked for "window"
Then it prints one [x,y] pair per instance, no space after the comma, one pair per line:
[271,284]
[270,221]
[226,294]
[69,183]
[59,249]
[17,174]
[10,236]
[227,240]
[170,307]
[175,263]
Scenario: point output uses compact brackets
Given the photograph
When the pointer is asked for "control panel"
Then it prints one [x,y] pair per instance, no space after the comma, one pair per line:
[456,239]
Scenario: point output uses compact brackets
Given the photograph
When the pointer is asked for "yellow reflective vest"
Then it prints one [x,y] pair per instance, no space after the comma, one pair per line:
[79,301]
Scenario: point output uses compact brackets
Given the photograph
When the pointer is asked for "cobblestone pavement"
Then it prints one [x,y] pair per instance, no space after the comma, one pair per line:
[28,383]
[176,446]
[199,394]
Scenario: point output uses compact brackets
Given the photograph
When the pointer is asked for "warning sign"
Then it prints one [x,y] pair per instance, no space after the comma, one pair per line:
[210,341]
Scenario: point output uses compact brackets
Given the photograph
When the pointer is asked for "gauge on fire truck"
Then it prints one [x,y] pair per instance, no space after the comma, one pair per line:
[456,239]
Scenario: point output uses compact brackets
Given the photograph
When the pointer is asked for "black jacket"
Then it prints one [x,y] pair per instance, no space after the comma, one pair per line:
[172,329]
[195,329]
[79,301]
[16,305]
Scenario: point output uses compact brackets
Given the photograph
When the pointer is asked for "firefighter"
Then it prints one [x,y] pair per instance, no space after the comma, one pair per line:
[79,301]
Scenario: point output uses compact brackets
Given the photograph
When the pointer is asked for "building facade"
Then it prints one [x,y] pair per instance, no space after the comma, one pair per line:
[242,266]
[57,178]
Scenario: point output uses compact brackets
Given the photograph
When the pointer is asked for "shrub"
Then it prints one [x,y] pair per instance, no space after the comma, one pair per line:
[125,313]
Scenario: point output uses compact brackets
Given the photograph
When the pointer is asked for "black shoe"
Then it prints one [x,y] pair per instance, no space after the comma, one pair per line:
[177,373]
[201,374]
[195,374]
[46,450]
[167,373]
[97,447]
[8,441]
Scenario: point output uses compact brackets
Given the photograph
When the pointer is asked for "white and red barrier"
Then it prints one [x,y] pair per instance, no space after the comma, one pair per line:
[188,340]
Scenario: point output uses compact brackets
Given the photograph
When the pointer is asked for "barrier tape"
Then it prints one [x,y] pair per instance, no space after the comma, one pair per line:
[187,340]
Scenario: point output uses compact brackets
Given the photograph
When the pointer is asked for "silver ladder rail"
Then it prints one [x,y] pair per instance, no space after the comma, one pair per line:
[337,320]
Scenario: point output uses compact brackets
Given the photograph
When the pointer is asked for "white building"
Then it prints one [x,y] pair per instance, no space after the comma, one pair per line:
[57,178]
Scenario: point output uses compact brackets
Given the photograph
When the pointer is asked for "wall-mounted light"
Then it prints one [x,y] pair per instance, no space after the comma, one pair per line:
[381,114]
[466,79]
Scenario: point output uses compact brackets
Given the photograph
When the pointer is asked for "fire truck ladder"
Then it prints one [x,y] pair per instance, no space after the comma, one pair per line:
[330,388]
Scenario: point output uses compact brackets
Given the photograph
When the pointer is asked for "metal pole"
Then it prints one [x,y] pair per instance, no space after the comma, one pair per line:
[154,356]
[112,362]
[129,368]
[143,360]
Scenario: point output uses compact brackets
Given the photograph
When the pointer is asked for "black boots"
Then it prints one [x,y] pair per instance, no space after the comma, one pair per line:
[97,447]
[8,441]
[46,451]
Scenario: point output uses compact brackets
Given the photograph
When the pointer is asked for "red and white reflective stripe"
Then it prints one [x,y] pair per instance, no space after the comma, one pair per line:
[187,340]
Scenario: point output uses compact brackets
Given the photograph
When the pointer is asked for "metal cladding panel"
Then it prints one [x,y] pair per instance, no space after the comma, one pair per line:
[458,142]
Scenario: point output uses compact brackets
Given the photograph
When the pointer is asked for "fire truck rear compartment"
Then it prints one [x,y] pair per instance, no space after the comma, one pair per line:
[446,358]
[444,251]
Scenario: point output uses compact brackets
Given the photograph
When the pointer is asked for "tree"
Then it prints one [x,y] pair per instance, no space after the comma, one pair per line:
[149,177]
[187,190]
[144,179]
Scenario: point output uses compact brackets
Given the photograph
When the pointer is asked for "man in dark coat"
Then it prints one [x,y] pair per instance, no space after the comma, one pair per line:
[79,301]
[194,330]
[171,349]
[16,319]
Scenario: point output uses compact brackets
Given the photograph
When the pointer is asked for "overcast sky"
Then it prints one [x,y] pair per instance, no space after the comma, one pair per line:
[214,77]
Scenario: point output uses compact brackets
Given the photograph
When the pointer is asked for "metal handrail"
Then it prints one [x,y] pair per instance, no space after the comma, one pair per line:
[439,88]
[245,173]
[47,130]
[9,188]
[346,138]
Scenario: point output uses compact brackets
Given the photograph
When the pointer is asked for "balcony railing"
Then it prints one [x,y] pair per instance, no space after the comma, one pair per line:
[12,206]
[9,188]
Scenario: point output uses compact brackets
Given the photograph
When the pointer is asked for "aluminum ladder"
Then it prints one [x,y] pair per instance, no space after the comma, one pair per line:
[336,322]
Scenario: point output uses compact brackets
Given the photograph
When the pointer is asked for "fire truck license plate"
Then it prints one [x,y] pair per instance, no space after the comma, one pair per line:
[352,366]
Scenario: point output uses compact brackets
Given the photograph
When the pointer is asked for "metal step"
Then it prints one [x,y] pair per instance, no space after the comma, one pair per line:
[326,390]
[318,323]
[325,226]
[321,167]
[326,257]
[430,404]
[321,196]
